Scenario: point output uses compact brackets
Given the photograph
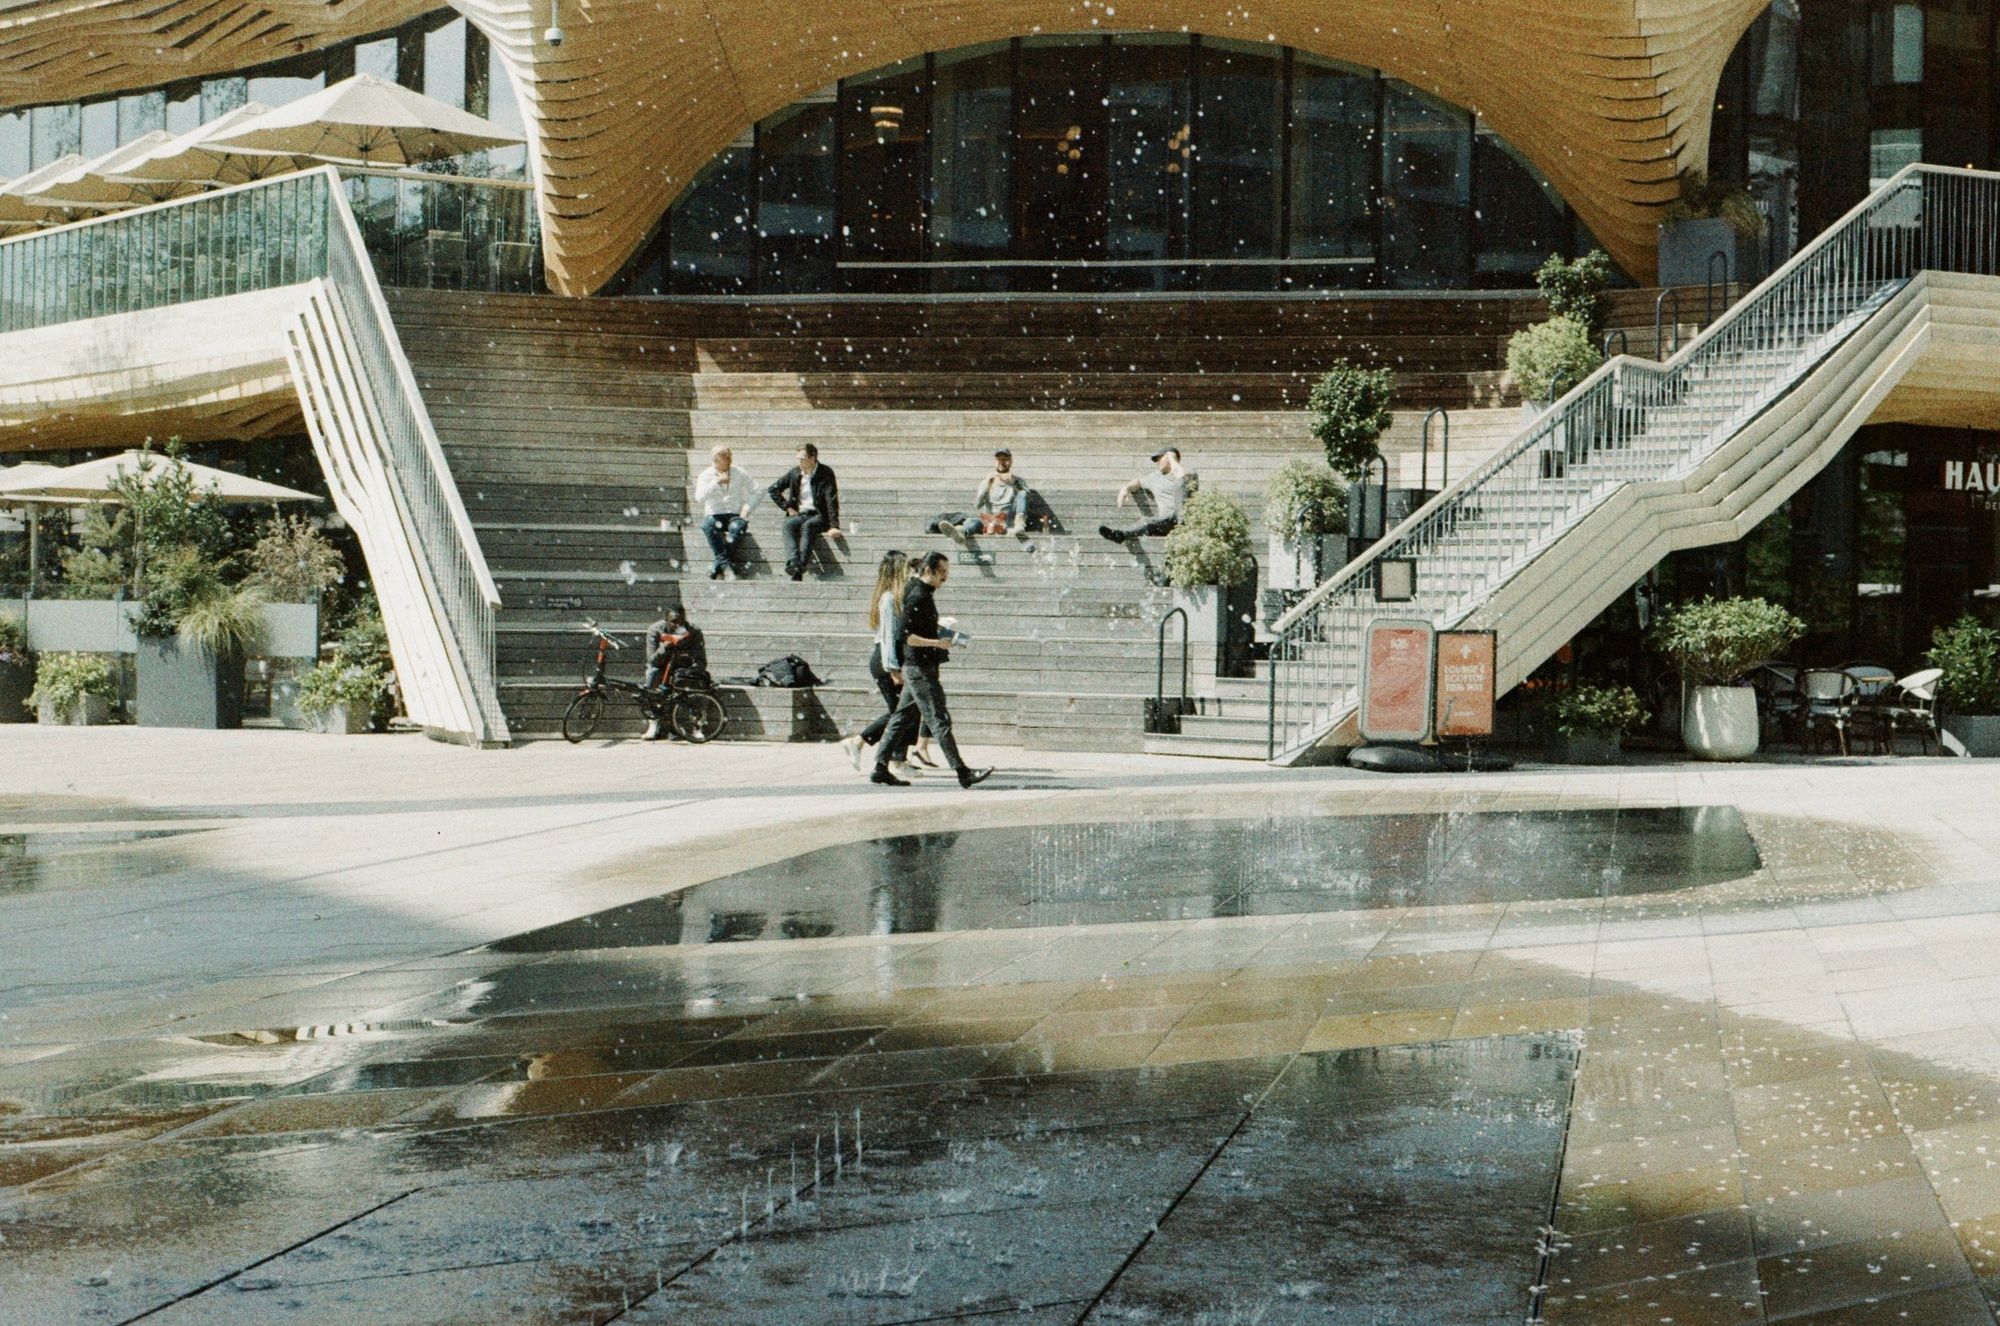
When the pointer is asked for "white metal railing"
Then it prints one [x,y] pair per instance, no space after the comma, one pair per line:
[278,232]
[1631,421]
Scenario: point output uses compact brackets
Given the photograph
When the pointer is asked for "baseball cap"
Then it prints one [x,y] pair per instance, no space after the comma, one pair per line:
[1003,451]
[1163,451]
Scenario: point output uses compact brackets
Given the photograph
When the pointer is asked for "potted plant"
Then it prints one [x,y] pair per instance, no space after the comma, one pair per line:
[1714,643]
[1207,554]
[77,689]
[1576,289]
[340,696]
[1592,722]
[1707,218]
[1556,354]
[194,632]
[1349,412]
[17,670]
[1969,691]
[1304,503]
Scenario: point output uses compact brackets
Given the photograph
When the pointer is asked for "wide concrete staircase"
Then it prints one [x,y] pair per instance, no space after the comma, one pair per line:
[1643,458]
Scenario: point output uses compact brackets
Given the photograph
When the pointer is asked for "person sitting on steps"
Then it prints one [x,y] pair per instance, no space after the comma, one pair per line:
[1002,500]
[726,494]
[671,644]
[1169,485]
[809,497]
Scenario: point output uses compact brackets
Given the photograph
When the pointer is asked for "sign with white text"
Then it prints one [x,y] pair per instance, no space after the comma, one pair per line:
[1465,683]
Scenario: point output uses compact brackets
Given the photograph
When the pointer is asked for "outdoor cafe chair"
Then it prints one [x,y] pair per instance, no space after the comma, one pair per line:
[1829,697]
[1779,704]
[1915,706]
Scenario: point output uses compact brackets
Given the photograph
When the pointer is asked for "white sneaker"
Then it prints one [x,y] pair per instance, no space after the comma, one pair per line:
[853,747]
[903,771]
[1019,530]
[652,730]
[955,532]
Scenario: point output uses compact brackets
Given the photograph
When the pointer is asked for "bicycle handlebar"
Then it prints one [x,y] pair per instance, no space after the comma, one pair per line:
[593,629]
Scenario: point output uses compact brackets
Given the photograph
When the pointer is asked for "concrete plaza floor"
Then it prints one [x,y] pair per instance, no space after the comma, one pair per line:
[332,1029]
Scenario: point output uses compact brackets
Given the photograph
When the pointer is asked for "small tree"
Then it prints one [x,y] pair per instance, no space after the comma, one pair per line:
[1350,410]
[1716,641]
[1969,653]
[1556,353]
[292,562]
[1211,545]
[1576,289]
[1304,497]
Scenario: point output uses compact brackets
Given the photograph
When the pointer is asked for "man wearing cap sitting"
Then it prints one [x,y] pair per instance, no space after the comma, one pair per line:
[1000,505]
[1168,484]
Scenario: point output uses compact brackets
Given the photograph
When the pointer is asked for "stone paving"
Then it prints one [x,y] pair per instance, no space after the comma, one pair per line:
[274,1043]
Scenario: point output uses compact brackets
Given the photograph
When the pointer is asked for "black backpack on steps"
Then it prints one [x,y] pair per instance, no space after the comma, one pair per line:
[789,671]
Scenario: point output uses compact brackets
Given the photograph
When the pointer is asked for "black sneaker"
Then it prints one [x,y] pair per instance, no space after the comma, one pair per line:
[886,779]
[716,574]
[969,777]
[1116,536]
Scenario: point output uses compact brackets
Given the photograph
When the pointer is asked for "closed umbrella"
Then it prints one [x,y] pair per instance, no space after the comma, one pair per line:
[15,207]
[190,158]
[94,185]
[26,475]
[365,120]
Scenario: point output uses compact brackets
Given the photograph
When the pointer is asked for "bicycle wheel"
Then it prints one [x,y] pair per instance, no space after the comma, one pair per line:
[698,717]
[586,711]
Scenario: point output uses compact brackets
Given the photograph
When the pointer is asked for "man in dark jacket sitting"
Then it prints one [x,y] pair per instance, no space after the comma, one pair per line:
[809,497]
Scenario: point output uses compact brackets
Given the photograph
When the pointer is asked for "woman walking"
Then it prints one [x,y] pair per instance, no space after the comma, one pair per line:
[885,617]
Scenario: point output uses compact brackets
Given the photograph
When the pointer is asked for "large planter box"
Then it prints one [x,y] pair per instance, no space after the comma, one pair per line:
[93,711]
[1589,748]
[344,721]
[17,682]
[1207,611]
[104,626]
[1686,248]
[184,687]
[1975,734]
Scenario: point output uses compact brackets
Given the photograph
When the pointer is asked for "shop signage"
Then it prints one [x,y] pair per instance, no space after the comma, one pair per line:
[1972,476]
[1465,683]
[1396,680]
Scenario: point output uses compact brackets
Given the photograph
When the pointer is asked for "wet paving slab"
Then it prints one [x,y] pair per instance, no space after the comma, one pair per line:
[1159,870]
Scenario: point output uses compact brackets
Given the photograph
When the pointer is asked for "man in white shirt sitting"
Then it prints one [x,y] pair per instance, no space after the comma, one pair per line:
[726,495]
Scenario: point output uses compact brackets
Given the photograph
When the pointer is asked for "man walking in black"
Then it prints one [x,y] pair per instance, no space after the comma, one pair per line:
[810,500]
[924,648]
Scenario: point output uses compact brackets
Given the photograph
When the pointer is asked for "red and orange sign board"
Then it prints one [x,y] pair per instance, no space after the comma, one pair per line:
[1396,677]
[1465,683]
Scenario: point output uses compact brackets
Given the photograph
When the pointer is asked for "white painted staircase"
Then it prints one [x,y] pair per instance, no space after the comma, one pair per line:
[1644,458]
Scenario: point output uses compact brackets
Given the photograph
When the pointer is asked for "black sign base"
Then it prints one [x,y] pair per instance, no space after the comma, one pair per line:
[1420,759]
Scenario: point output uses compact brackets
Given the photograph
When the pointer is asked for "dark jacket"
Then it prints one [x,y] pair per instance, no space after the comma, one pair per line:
[920,618]
[825,488]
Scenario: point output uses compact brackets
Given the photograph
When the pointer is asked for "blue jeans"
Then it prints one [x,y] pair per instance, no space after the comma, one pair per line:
[723,531]
[972,524]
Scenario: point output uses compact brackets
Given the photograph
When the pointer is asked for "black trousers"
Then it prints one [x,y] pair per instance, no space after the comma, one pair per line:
[799,532]
[1162,525]
[891,693]
[923,702]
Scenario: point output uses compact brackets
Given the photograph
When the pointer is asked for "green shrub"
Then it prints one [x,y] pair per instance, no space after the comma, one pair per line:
[1716,641]
[1211,545]
[1350,410]
[292,562]
[1304,497]
[63,680]
[341,683]
[1969,653]
[1556,353]
[1608,711]
[1576,289]
[1702,198]
[13,639]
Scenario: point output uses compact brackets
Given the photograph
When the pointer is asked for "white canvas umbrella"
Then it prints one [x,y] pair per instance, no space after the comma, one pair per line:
[26,475]
[94,480]
[15,207]
[367,121]
[94,186]
[190,158]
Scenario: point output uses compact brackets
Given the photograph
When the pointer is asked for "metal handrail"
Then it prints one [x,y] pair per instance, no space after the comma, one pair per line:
[1634,420]
[290,230]
[1444,469]
[1713,285]
[1659,330]
[1160,671]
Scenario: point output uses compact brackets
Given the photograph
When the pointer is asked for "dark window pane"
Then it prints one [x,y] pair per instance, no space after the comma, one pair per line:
[219,96]
[711,228]
[795,188]
[972,162]
[1517,217]
[885,149]
[1239,152]
[1334,159]
[1151,144]
[1896,43]
[1060,187]
[1426,159]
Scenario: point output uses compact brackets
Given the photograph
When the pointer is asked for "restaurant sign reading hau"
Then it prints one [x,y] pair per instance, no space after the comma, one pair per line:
[1972,476]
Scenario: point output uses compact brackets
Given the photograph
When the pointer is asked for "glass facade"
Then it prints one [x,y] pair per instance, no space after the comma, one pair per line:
[1110,163]
[440,55]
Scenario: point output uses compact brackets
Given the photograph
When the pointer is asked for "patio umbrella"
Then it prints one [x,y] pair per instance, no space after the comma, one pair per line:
[26,475]
[15,207]
[367,121]
[93,185]
[93,481]
[189,158]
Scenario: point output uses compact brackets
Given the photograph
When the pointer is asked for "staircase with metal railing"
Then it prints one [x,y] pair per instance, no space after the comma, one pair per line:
[192,262]
[1626,444]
